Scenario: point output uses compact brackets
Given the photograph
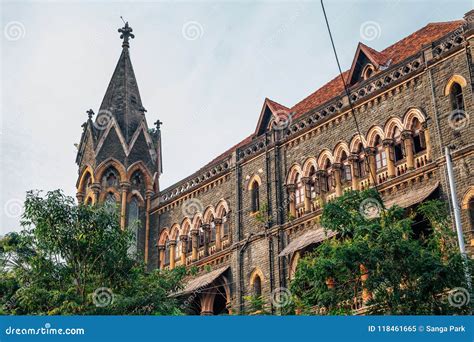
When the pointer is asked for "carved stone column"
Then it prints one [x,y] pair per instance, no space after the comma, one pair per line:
[195,244]
[161,253]
[218,223]
[353,159]
[172,253]
[207,230]
[337,178]
[426,132]
[321,178]
[408,141]
[290,188]
[184,245]
[80,197]
[148,195]
[95,187]
[125,186]
[389,152]
[370,152]
[307,194]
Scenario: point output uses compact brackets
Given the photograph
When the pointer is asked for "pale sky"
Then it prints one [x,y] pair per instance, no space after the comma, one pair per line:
[203,68]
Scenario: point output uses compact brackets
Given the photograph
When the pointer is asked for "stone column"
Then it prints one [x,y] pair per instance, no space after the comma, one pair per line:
[148,195]
[388,145]
[321,178]
[290,188]
[337,178]
[425,131]
[184,245]
[161,252]
[207,230]
[218,223]
[96,191]
[172,253]
[408,142]
[195,242]
[125,186]
[370,152]
[353,158]
[80,197]
[307,194]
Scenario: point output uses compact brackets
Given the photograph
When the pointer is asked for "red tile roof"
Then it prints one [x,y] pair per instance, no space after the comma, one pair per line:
[395,53]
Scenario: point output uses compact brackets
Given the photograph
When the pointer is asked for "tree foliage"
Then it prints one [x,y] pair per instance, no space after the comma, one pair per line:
[75,259]
[406,269]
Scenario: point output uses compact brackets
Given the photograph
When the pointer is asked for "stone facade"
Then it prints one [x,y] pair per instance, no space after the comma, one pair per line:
[238,213]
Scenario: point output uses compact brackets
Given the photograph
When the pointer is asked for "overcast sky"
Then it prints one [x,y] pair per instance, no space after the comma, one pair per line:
[203,68]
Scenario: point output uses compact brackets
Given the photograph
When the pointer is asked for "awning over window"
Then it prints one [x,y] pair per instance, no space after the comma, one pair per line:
[413,197]
[201,282]
[308,238]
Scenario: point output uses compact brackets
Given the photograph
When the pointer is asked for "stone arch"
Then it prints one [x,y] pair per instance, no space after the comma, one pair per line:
[254,178]
[196,219]
[294,264]
[294,171]
[221,207]
[454,79]
[355,141]
[207,300]
[390,126]
[111,162]
[164,235]
[138,195]
[257,272]
[372,134]
[146,174]
[468,195]
[323,156]
[174,232]
[86,170]
[339,149]
[107,191]
[410,115]
[208,213]
[311,161]
[186,225]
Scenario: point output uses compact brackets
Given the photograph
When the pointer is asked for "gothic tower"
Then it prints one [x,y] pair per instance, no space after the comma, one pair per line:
[119,157]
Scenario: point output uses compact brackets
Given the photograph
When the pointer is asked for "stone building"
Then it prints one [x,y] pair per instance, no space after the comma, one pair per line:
[244,219]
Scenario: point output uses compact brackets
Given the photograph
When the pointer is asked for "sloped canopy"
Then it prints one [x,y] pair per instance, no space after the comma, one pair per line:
[308,238]
[201,282]
[413,197]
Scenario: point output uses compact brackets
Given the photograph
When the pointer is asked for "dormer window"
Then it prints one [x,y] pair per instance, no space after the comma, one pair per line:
[368,71]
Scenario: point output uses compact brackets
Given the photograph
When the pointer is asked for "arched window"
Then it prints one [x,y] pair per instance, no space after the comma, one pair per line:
[360,164]
[327,182]
[225,224]
[133,224]
[299,191]
[471,212]
[110,178]
[346,175]
[419,143]
[257,286]
[312,183]
[457,98]
[368,71]
[202,236]
[167,252]
[255,193]
[380,155]
[399,152]
[212,230]
[177,249]
[189,243]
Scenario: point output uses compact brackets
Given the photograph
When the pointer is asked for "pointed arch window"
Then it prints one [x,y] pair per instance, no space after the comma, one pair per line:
[380,155]
[398,147]
[225,224]
[360,165]
[110,178]
[133,224]
[167,252]
[257,286]
[255,196]
[202,237]
[299,191]
[312,183]
[419,143]
[346,175]
[327,181]
[189,243]
[213,231]
[471,212]
[177,249]
[457,97]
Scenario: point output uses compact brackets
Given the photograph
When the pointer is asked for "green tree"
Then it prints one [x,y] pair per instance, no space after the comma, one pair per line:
[404,271]
[74,259]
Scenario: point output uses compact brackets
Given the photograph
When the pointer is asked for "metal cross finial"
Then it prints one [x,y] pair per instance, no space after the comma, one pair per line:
[126,33]
[90,113]
[158,123]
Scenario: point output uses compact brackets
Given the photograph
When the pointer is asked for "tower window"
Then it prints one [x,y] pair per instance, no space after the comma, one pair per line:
[255,196]
[257,286]
[457,99]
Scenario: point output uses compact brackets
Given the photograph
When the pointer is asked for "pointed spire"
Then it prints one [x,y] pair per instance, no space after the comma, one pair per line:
[126,33]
